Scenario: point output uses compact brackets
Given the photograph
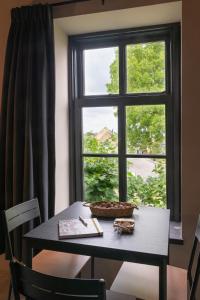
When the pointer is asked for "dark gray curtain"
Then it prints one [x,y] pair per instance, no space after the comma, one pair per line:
[27,128]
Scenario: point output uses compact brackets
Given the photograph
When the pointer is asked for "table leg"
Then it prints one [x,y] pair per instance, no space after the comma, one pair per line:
[28,255]
[163,281]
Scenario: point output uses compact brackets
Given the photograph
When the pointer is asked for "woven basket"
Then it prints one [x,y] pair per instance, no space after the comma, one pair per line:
[112,209]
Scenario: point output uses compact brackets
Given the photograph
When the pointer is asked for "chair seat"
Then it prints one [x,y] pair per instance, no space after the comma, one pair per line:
[59,264]
[142,281]
[110,295]
[176,283]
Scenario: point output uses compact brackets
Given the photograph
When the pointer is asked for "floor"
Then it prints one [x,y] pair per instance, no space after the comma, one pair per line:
[100,272]
[4,278]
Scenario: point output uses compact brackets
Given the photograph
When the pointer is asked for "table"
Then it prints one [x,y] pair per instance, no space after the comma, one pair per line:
[147,245]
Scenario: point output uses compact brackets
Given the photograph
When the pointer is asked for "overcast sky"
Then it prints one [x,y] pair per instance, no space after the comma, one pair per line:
[97,75]
[96,118]
[97,70]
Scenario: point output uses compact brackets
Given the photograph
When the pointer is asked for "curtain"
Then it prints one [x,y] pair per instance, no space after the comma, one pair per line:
[27,128]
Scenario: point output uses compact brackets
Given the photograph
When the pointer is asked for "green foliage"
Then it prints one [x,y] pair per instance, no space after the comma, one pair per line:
[93,145]
[113,86]
[151,191]
[100,173]
[145,131]
[145,128]
[145,69]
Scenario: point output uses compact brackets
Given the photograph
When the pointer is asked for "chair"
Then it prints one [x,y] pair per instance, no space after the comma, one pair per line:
[38,286]
[142,280]
[49,262]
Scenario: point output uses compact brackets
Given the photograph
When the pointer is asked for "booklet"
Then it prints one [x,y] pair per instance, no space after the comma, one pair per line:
[76,228]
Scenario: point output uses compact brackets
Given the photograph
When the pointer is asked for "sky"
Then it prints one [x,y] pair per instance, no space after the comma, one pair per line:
[97,75]
[96,118]
[97,71]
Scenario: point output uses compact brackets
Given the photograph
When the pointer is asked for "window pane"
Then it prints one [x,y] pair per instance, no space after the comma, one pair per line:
[100,179]
[101,71]
[146,67]
[145,129]
[146,181]
[100,130]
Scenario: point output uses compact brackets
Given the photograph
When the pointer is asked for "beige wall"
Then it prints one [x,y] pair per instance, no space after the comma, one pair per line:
[190,103]
[163,13]
[190,117]
[93,6]
[61,121]
[190,128]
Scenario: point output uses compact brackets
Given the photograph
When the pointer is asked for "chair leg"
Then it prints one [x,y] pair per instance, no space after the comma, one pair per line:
[10,291]
[92,267]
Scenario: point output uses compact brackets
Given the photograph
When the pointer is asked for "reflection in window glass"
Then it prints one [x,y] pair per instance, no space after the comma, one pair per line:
[100,65]
[146,181]
[145,129]
[100,179]
[100,130]
[146,67]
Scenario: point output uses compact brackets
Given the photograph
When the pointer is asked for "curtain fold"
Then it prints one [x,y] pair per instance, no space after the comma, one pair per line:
[27,128]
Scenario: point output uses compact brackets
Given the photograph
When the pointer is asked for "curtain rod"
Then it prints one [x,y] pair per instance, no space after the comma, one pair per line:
[70,2]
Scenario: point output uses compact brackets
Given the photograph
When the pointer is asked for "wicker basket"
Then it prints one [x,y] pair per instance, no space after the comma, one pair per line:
[112,209]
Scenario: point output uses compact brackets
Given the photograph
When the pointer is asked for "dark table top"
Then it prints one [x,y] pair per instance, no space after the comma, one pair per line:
[148,243]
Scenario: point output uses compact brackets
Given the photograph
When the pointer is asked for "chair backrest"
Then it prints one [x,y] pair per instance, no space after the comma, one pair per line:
[19,215]
[193,281]
[37,286]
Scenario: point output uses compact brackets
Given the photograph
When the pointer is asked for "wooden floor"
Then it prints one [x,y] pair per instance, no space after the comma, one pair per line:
[104,268]
[101,271]
[4,278]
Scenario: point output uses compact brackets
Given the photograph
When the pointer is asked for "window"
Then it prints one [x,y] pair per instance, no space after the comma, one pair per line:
[125,116]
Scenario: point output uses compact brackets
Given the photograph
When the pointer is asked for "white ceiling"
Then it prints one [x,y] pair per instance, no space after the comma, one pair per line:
[124,18]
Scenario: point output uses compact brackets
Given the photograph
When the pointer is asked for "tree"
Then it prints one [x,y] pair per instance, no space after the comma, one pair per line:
[145,131]
[100,173]
[145,69]
[151,191]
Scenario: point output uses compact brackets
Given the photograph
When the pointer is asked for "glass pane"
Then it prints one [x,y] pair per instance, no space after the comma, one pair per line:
[145,129]
[146,67]
[101,71]
[146,181]
[100,179]
[100,130]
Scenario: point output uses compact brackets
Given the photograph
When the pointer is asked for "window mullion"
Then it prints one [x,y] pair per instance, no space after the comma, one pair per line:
[122,153]
[78,153]
[80,74]
[122,125]
[122,70]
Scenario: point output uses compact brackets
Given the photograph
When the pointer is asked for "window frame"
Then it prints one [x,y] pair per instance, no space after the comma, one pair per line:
[170,98]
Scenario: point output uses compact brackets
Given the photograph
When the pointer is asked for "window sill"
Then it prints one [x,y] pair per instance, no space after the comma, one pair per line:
[176,233]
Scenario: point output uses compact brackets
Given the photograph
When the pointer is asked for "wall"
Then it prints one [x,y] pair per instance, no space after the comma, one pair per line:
[190,106]
[96,6]
[123,18]
[190,129]
[61,120]
[190,117]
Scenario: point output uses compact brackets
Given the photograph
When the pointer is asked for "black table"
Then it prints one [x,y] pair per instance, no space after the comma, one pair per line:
[147,245]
